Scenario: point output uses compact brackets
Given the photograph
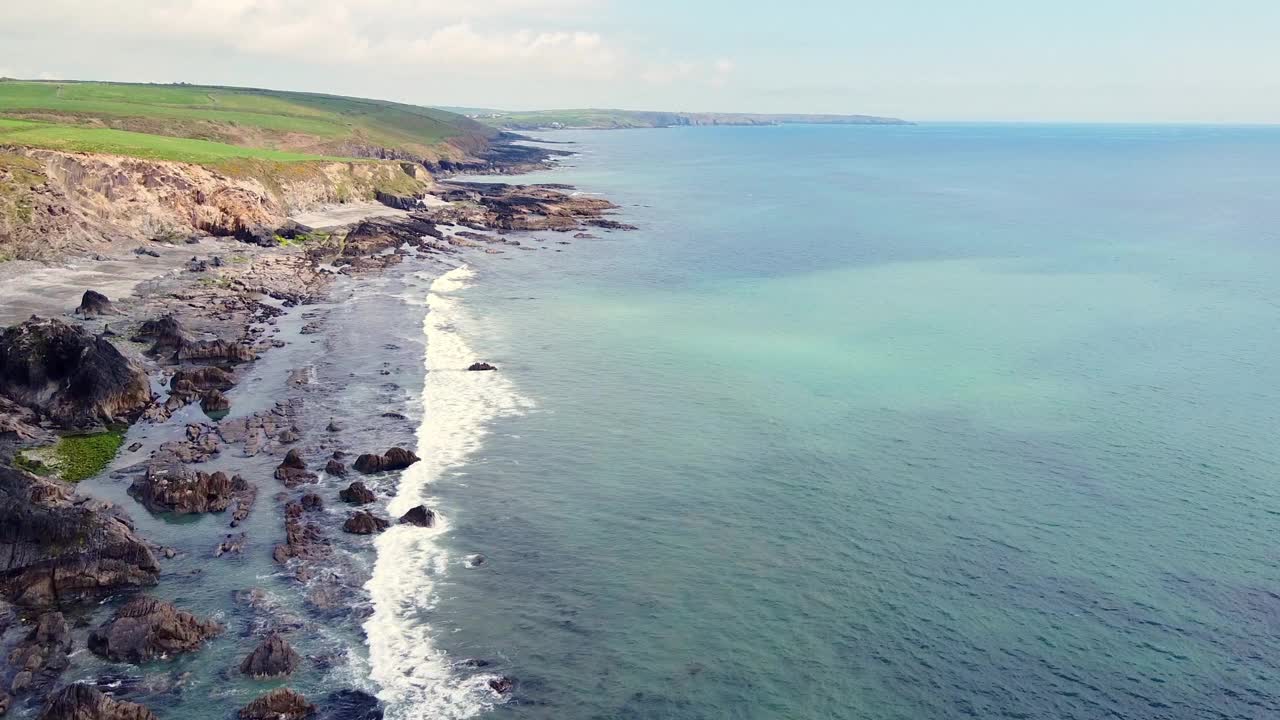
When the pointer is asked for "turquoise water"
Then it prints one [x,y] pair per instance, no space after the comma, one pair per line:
[885,422]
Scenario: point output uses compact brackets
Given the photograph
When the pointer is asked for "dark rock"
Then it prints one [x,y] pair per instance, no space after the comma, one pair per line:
[146,628]
[351,705]
[356,494]
[399,202]
[82,702]
[394,416]
[146,251]
[213,401]
[311,502]
[199,380]
[420,516]
[502,685]
[37,661]
[364,523]
[274,658]
[216,350]
[94,303]
[166,335]
[335,468]
[393,459]
[584,236]
[170,487]
[56,547]
[333,427]
[480,366]
[69,376]
[293,471]
[279,704]
[135,447]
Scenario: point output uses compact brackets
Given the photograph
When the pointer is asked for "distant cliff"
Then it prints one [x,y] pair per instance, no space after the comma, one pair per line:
[609,119]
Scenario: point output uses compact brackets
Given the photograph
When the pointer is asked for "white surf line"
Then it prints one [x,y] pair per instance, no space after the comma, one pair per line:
[416,679]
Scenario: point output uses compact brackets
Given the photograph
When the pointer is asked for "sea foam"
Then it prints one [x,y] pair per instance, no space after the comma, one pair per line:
[417,679]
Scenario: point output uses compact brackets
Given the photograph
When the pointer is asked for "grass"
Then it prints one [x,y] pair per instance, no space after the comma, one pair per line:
[74,457]
[267,120]
[122,142]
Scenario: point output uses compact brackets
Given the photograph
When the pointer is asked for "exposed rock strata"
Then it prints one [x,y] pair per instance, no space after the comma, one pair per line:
[146,628]
[82,702]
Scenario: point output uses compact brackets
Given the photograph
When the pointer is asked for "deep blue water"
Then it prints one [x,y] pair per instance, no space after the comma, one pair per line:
[884,422]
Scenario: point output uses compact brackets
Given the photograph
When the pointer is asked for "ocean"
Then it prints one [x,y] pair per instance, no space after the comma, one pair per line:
[931,421]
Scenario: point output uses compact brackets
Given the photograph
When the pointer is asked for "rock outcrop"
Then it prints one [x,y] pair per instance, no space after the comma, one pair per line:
[274,658]
[82,702]
[171,487]
[293,470]
[356,494]
[56,547]
[170,342]
[420,516]
[94,304]
[37,661]
[146,628]
[279,704]
[394,459]
[70,376]
[365,523]
[480,366]
[335,468]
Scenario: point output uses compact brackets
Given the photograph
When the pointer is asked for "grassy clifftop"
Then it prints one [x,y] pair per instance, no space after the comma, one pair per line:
[206,124]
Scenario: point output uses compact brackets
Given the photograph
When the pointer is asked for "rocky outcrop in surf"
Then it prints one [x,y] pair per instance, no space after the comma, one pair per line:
[293,470]
[365,523]
[356,494]
[69,376]
[146,628]
[393,459]
[56,547]
[273,658]
[420,516]
[35,663]
[82,702]
[171,487]
[279,704]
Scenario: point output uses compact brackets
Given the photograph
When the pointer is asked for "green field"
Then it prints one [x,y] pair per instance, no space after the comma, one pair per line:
[207,124]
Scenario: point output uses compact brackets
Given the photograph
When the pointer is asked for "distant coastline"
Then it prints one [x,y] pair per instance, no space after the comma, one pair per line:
[602,119]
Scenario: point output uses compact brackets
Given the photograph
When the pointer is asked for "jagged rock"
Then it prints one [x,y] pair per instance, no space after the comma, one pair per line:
[356,494]
[420,516]
[213,401]
[364,523]
[351,705]
[274,658]
[335,468]
[171,342]
[394,459]
[293,470]
[502,685]
[199,380]
[37,661]
[399,202]
[279,704]
[170,487]
[68,375]
[82,702]
[94,303]
[311,502]
[480,366]
[146,628]
[216,350]
[56,547]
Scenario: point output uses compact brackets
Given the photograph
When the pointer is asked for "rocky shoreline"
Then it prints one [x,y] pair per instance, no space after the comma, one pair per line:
[167,361]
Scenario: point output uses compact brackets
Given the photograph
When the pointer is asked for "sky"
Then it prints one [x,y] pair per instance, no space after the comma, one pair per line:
[980,60]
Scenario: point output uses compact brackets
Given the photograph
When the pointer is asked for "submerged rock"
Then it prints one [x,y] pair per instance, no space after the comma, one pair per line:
[356,494]
[56,547]
[394,459]
[83,702]
[502,685]
[71,377]
[279,704]
[37,661]
[364,523]
[420,516]
[351,705]
[274,658]
[146,628]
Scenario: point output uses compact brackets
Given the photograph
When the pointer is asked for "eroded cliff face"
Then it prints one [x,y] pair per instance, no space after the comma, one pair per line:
[52,202]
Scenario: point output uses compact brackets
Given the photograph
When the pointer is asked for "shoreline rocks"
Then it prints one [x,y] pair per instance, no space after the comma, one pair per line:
[279,704]
[146,628]
[173,488]
[420,516]
[365,523]
[394,459]
[82,702]
[273,658]
[356,494]
[293,472]
[94,304]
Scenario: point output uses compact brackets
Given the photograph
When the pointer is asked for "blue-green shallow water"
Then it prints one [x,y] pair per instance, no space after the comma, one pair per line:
[881,422]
